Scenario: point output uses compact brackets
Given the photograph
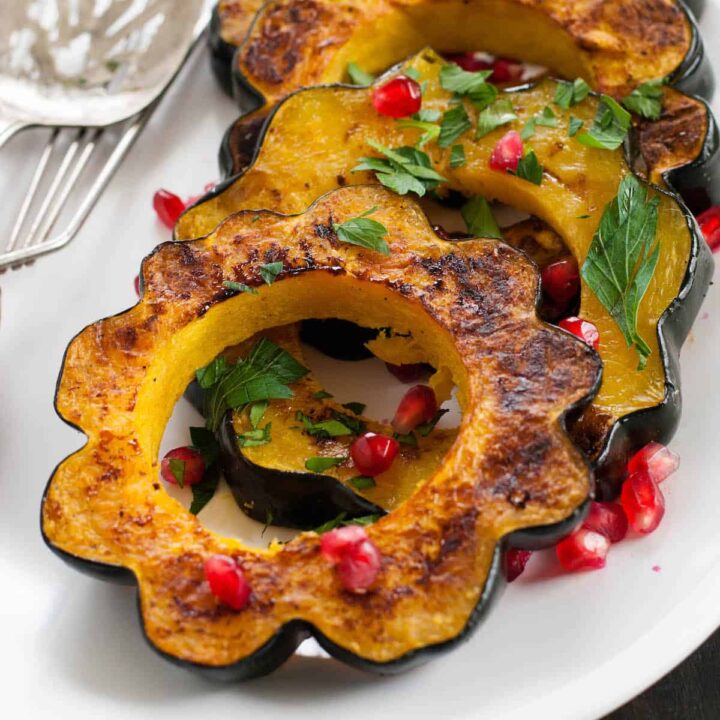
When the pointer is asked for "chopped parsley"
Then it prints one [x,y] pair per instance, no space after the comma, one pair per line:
[568,94]
[363,231]
[340,521]
[355,407]
[363,482]
[269,271]
[455,123]
[321,464]
[646,100]
[494,116]
[546,118]
[609,128]
[430,131]
[322,395]
[204,491]
[358,76]
[177,468]
[325,428]
[479,218]
[623,257]
[203,440]
[457,156]
[239,287]
[574,126]
[529,168]
[255,437]
[426,428]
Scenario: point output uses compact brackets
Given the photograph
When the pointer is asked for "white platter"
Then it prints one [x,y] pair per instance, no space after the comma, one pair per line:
[556,646]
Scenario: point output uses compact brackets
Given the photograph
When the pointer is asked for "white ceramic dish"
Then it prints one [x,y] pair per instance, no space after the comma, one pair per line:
[556,646]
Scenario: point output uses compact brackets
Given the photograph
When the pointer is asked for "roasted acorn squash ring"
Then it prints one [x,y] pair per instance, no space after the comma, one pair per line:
[513,467]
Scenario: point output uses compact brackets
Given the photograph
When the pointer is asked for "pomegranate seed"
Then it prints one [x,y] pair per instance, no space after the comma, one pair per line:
[514,563]
[608,519]
[168,206]
[657,460]
[136,283]
[709,222]
[561,280]
[398,98]
[585,549]
[470,61]
[373,454]
[227,581]
[584,329]
[506,70]
[409,373]
[643,502]
[417,406]
[193,466]
[507,152]
[357,558]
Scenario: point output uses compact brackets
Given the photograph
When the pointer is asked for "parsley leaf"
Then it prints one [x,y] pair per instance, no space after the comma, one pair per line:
[568,94]
[457,156]
[547,118]
[355,407]
[492,117]
[479,218]
[203,491]
[646,100]
[257,410]
[340,521]
[239,287]
[363,482]
[365,232]
[403,170]
[325,428]
[406,439]
[358,76]
[204,442]
[321,464]
[322,395]
[431,131]
[264,375]
[529,168]
[609,128]
[177,468]
[255,437]
[426,428]
[462,82]
[574,126]
[455,123]
[270,271]
[622,258]
[528,129]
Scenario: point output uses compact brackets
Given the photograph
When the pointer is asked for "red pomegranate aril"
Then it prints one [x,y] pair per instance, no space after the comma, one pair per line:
[506,71]
[709,222]
[417,406]
[660,462]
[193,466]
[585,549]
[227,581]
[398,98]
[514,563]
[169,207]
[471,61]
[409,373]
[584,329]
[608,519]
[373,454]
[561,280]
[643,502]
[136,283]
[507,152]
[356,557]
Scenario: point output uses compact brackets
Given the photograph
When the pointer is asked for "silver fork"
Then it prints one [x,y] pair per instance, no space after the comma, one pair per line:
[82,68]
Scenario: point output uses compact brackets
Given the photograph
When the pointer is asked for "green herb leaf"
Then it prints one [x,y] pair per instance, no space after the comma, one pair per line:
[479,219]
[257,410]
[609,128]
[403,170]
[623,257]
[430,131]
[340,521]
[205,443]
[239,287]
[646,100]
[528,129]
[406,439]
[568,94]
[264,375]
[203,491]
[322,395]
[357,426]
[177,468]
[325,428]
[413,73]
[547,118]
[355,407]
[494,116]
[427,115]
[358,76]
[365,232]
[455,123]
[270,271]
[426,428]
[457,156]
[363,482]
[529,168]
[256,437]
[321,464]
[456,80]
[574,126]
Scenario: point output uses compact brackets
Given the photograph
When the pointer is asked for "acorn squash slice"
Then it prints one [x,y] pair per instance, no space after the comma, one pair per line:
[512,469]
[312,141]
[615,44]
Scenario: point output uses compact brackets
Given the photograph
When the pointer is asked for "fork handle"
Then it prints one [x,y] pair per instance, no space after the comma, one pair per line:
[9,126]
